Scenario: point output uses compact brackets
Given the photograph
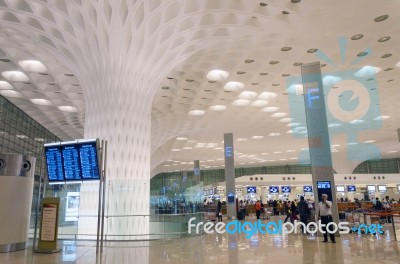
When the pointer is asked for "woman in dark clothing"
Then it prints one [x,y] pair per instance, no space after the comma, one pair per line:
[293,208]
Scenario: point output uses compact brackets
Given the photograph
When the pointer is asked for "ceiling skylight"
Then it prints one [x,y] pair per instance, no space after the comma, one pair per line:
[259,103]
[197,112]
[247,95]
[41,101]
[270,109]
[68,108]
[241,102]
[233,86]
[5,86]
[267,96]
[217,108]
[32,66]
[15,76]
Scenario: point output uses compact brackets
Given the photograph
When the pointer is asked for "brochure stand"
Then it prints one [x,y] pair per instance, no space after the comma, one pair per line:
[49,226]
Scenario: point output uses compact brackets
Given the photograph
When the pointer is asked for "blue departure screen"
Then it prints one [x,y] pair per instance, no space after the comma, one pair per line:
[286,189]
[351,188]
[307,189]
[273,189]
[324,187]
[55,170]
[89,160]
[251,189]
[72,168]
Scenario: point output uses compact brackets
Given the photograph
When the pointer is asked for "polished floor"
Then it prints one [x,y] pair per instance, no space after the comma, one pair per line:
[296,248]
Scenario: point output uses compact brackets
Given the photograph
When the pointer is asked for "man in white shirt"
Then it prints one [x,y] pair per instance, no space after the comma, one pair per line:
[325,214]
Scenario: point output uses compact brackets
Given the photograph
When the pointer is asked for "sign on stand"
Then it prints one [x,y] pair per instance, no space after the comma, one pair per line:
[49,226]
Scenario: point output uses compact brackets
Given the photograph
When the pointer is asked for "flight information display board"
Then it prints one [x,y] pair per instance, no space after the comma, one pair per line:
[285,189]
[273,189]
[70,154]
[73,160]
[54,163]
[89,160]
[307,189]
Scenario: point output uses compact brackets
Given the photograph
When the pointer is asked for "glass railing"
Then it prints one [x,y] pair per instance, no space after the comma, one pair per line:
[155,226]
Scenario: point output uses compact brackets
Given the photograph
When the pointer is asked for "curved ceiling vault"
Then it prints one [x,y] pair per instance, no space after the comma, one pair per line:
[172,45]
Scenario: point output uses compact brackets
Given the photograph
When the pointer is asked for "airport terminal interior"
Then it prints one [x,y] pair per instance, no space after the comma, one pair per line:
[131,131]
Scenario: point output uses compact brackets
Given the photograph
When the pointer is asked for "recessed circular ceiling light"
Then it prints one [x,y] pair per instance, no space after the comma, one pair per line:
[361,54]
[189,80]
[263,73]
[66,108]
[357,37]
[298,63]
[263,4]
[197,112]
[240,72]
[39,139]
[285,75]
[249,60]
[212,81]
[381,18]
[273,62]
[257,137]
[383,39]
[165,87]
[182,138]
[68,74]
[296,1]
[312,50]
[390,80]
[285,12]
[255,83]
[286,48]
[275,84]
[387,55]
[217,75]
[388,69]
[41,101]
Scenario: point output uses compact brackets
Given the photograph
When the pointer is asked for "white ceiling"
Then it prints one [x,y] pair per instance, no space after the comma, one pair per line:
[206,35]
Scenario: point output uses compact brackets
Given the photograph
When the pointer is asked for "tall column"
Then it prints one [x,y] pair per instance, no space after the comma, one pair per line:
[318,135]
[230,176]
[196,171]
[264,194]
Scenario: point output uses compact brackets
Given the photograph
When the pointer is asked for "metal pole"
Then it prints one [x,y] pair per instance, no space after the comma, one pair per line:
[38,201]
[99,205]
[104,194]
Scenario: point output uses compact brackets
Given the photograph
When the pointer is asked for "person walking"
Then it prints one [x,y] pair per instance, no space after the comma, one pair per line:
[258,209]
[325,214]
[303,212]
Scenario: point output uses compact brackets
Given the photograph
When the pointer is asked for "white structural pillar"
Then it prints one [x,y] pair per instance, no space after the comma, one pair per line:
[264,194]
[230,176]
[318,135]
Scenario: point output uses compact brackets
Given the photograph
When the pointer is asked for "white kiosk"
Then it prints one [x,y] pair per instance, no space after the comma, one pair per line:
[16,188]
